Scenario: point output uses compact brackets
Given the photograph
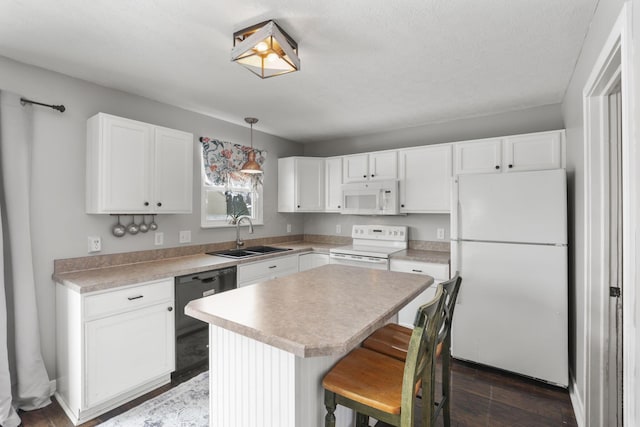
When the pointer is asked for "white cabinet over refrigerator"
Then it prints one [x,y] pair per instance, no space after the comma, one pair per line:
[509,244]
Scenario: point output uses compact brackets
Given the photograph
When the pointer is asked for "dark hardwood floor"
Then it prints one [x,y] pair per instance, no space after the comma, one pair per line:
[481,397]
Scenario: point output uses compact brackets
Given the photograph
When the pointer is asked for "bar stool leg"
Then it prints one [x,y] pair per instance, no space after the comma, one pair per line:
[446,381]
[330,404]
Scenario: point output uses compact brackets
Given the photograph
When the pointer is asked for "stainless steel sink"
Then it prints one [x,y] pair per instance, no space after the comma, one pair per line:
[248,252]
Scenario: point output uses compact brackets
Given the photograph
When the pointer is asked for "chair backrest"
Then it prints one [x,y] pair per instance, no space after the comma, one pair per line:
[419,368]
[451,288]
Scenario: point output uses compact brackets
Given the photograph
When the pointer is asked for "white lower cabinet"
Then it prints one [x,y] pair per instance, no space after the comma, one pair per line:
[113,346]
[439,272]
[312,260]
[255,272]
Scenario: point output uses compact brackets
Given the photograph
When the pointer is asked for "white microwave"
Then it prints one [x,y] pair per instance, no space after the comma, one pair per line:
[370,198]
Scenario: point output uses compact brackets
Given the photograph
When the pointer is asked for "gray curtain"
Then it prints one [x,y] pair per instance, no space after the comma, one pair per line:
[24,383]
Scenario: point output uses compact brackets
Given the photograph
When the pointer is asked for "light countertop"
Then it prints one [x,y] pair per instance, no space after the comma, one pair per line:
[104,278]
[325,311]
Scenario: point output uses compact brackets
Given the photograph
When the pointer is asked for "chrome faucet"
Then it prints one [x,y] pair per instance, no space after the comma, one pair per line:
[240,243]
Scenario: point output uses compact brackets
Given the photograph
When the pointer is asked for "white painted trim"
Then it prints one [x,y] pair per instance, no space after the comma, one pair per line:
[52,387]
[618,47]
[576,402]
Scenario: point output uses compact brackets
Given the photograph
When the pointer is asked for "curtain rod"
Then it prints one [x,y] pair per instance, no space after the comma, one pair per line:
[60,108]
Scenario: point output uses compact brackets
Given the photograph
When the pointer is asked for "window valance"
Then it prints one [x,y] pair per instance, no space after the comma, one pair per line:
[222,162]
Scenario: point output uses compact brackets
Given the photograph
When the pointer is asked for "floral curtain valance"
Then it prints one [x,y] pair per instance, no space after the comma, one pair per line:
[223,160]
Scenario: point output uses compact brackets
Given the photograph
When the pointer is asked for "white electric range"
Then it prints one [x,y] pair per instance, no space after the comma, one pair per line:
[372,246]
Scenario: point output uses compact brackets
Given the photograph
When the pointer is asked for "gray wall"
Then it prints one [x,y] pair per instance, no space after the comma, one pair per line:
[537,119]
[59,224]
[572,109]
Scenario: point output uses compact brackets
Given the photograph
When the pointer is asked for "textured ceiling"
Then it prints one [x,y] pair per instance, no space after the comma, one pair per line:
[367,65]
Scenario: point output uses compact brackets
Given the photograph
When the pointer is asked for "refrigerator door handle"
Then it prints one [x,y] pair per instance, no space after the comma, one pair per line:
[455,209]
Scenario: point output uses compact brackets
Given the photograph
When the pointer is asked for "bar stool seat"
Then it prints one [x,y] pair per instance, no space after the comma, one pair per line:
[393,340]
[352,378]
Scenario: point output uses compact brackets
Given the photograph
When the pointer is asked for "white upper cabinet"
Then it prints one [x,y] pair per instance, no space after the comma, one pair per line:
[425,179]
[136,167]
[375,166]
[535,151]
[333,184]
[301,184]
[478,156]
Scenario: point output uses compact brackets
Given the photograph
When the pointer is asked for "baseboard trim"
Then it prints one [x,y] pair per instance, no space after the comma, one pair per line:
[576,402]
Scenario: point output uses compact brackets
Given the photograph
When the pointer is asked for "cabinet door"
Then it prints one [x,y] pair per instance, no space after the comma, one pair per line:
[483,156]
[312,260]
[126,350]
[123,153]
[383,165]
[333,184]
[533,152]
[355,168]
[309,180]
[259,271]
[173,171]
[425,179]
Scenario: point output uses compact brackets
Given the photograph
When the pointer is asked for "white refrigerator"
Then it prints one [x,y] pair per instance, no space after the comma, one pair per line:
[509,244]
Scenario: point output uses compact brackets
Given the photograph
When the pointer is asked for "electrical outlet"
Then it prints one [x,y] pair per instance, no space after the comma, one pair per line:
[159,238]
[338,229]
[185,236]
[95,244]
[288,228]
[440,235]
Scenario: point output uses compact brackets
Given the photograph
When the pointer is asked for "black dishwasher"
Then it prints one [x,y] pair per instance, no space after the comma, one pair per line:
[192,338]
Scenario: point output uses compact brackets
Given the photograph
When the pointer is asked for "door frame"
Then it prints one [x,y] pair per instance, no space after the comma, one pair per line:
[614,62]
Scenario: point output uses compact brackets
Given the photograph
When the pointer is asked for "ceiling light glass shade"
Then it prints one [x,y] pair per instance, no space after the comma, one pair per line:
[265,50]
[251,166]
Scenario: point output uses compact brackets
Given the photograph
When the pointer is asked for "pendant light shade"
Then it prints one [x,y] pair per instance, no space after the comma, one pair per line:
[251,166]
[265,50]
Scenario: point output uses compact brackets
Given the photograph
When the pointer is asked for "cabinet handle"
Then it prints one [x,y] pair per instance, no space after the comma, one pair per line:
[497,167]
[272,266]
[510,166]
[159,204]
[169,308]
[402,206]
[339,206]
[372,175]
[146,203]
[364,176]
[132,298]
[416,271]
[298,206]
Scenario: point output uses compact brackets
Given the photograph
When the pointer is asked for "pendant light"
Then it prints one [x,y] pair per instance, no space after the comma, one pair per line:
[251,166]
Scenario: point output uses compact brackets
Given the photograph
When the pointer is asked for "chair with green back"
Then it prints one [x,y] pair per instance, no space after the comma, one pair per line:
[382,387]
[393,340]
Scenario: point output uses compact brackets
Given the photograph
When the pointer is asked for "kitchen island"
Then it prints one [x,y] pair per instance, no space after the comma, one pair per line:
[271,343]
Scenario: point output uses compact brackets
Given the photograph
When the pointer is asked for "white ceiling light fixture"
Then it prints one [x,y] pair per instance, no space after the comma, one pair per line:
[251,166]
[266,50]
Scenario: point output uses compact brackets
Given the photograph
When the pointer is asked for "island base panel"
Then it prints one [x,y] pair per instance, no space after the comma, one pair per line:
[255,384]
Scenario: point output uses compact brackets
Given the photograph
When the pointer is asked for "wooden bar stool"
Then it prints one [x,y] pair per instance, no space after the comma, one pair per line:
[376,385]
[393,340]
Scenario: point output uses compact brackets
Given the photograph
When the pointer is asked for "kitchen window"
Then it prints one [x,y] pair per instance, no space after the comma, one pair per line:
[227,193]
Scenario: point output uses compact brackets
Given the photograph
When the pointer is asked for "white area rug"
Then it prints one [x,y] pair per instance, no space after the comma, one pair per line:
[186,405]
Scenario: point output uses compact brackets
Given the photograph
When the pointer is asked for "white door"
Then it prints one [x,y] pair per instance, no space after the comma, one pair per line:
[512,310]
[519,207]
[126,350]
[383,165]
[483,156]
[425,179]
[533,152]
[309,176]
[173,171]
[355,168]
[125,165]
[333,184]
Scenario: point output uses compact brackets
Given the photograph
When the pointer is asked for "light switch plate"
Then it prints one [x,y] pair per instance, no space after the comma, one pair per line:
[440,234]
[159,238]
[95,244]
[288,228]
[338,229]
